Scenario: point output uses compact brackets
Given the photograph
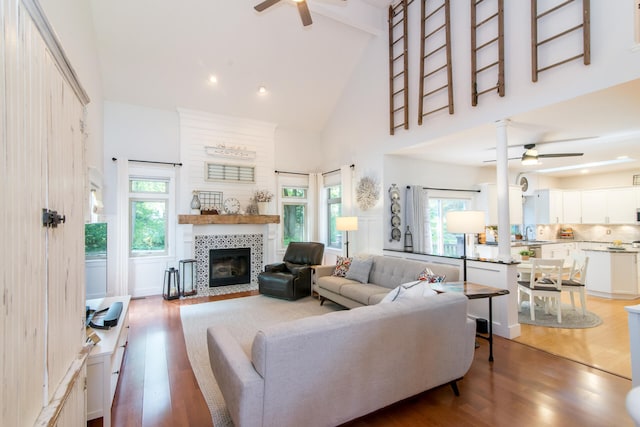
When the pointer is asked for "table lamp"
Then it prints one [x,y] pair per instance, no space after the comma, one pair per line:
[466,222]
[347,223]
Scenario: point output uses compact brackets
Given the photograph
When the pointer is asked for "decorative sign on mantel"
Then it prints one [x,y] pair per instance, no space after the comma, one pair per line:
[228,219]
[234,152]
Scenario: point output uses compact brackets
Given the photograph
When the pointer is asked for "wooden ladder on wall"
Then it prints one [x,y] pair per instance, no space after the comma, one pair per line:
[537,18]
[435,48]
[398,67]
[494,47]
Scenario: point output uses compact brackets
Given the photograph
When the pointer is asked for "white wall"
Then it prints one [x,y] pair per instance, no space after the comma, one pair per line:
[298,151]
[358,130]
[601,180]
[73,24]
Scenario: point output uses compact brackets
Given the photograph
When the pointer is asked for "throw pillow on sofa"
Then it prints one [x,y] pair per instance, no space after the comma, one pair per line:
[342,266]
[359,270]
[429,276]
[417,289]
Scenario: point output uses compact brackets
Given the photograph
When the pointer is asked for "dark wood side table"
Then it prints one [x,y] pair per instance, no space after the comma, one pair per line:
[475,291]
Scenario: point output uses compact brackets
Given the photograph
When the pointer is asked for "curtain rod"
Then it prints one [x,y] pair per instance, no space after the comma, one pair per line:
[337,170]
[292,173]
[150,161]
[448,189]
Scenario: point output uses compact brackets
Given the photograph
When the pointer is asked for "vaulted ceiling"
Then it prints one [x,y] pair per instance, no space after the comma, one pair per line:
[161,54]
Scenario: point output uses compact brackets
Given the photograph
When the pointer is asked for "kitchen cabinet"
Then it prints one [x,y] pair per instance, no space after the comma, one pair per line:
[487,201]
[609,206]
[563,251]
[571,207]
[548,206]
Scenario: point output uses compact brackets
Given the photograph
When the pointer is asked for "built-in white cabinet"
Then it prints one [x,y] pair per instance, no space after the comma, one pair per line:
[609,206]
[563,251]
[571,207]
[487,201]
[548,206]
[105,360]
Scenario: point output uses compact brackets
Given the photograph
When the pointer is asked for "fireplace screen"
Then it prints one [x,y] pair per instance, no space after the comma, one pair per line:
[229,266]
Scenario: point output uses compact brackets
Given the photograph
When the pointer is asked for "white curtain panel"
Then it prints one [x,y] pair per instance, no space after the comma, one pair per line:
[415,219]
[121,283]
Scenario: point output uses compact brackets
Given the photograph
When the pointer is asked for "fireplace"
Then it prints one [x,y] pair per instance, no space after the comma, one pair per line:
[229,266]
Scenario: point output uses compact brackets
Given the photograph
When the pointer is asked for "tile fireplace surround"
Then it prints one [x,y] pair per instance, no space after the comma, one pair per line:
[203,243]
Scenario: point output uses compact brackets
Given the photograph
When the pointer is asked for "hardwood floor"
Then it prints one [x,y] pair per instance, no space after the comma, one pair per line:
[605,347]
[524,386]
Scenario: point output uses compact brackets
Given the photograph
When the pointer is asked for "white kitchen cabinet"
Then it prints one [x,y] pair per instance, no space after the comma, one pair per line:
[609,206]
[487,201]
[621,205]
[548,206]
[558,251]
[571,207]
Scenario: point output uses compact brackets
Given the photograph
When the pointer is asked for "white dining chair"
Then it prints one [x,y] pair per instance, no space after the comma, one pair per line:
[545,281]
[577,281]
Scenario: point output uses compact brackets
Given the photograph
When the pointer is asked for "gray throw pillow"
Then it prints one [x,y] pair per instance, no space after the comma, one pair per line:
[359,270]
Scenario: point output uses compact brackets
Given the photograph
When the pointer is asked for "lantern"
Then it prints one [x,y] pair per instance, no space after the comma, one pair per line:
[171,288]
[188,277]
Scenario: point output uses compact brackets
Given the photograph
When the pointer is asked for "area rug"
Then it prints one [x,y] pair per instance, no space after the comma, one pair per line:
[571,319]
[243,317]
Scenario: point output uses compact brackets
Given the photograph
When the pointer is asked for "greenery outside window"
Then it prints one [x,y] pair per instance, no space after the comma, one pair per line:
[334,210]
[294,215]
[443,242]
[148,222]
[95,240]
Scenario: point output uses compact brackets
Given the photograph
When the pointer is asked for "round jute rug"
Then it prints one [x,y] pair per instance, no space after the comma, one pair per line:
[571,319]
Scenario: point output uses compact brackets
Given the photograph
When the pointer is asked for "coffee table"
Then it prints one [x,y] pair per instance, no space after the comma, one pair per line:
[475,291]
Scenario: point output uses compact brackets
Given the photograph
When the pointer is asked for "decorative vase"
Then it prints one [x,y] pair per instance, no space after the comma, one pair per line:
[263,208]
[195,204]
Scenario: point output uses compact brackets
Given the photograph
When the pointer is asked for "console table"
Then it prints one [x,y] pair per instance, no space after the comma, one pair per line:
[475,291]
[103,365]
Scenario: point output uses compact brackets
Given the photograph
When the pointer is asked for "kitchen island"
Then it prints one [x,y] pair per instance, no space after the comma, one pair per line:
[612,273]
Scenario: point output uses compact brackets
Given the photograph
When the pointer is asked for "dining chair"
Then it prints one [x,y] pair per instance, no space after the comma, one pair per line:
[545,281]
[577,281]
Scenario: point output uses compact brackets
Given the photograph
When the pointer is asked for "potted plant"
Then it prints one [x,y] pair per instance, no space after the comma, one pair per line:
[262,199]
[525,254]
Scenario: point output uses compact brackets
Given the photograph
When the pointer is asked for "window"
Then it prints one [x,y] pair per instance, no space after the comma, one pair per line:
[442,242]
[334,210]
[95,240]
[148,210]
[294,215]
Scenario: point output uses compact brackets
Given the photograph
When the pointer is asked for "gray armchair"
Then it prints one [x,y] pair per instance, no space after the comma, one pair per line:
[291,279]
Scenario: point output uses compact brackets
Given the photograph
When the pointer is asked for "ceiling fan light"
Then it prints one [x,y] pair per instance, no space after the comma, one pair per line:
[528,159]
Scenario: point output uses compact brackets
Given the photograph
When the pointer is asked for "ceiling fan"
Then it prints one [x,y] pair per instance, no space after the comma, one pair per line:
[303,9]
[531,156]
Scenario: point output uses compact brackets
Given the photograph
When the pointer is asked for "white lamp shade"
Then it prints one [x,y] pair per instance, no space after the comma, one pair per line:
[347,223]
[465,222]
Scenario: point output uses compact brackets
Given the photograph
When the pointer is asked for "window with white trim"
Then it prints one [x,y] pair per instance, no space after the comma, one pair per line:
[148,215]
[294,214]
[334,210]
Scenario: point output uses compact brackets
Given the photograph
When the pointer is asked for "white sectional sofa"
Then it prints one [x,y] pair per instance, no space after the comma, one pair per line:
[386,273]
[328,369]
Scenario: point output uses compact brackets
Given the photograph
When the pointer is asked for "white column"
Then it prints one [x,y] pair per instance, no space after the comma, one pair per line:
[502,188]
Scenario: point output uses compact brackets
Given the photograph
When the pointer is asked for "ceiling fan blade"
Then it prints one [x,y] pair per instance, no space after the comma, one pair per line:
[561,155]
[493,161]
[265,4]
[305,15]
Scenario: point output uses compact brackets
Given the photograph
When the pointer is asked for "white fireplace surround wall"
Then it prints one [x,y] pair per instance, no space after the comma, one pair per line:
[203,243]
[199,130]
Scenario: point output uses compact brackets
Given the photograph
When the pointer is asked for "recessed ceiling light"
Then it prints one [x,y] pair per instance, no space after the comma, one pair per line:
[213,79]
[584,171]
[622,157]
[262,90]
